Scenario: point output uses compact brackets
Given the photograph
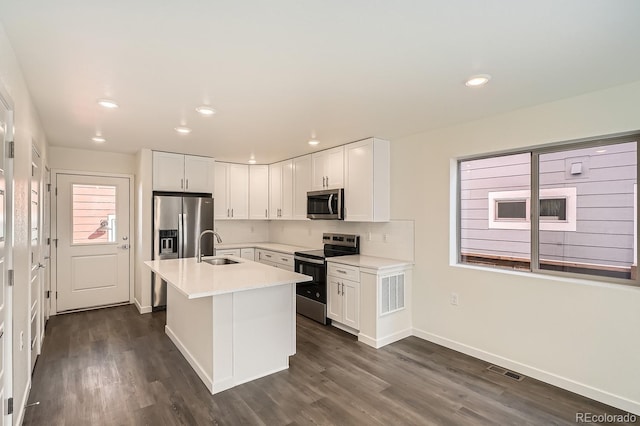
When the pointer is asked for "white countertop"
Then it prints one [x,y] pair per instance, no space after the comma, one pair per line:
[196,280]
[369,262]
[281,248]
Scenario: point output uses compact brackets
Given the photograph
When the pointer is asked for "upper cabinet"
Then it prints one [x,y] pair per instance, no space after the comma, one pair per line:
[301,185]
[328,168]
[258,192]
[182,173]
[231,196]
[367,176]
[281,190]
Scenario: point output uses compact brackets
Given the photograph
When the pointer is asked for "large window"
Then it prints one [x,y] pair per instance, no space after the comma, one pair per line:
[570,209]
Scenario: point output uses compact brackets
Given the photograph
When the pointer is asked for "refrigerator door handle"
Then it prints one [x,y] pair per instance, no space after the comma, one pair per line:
[181,241]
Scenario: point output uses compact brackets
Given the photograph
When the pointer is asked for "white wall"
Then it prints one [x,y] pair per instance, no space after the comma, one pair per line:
[27,131]
[579,335]
[91,161]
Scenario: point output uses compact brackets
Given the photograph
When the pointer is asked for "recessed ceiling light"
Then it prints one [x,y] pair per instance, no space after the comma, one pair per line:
[600,151]
[478,80]
[98,139]
[205,110]
[107,103]
[314,142]
[182,130]
[252,161]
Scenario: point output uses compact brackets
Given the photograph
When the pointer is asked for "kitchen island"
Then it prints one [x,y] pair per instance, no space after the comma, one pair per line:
[233,323]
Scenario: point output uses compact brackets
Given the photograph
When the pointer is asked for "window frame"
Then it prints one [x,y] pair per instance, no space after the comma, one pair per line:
[534,203]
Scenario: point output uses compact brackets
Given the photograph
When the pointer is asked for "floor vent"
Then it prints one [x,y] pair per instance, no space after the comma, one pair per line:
[504,372]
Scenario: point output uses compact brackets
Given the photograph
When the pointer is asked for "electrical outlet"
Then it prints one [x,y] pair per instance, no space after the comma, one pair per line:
[21,340]
[454,299]
[368,236]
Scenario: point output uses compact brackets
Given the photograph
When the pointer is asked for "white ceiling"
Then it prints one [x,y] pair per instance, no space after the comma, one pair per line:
[281,71]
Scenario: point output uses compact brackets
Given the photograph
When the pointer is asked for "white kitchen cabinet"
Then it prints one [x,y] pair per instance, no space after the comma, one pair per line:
[231,199]
[275,259]
[385,305]
[228,252]
[258,192]
[248,253]
[182,173]
[301,185]
[343,304]
[281,190]
[328,168]
[367,181]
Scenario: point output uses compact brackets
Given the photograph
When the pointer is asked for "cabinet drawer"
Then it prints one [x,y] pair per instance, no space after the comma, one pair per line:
[228,252]
[284,259]
[343,271]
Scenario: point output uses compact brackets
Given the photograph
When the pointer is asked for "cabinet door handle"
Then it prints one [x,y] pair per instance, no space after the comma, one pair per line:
[187,184]
[181,183]
[327,181]
[341,271]
[267,255]
[231,212]
[227,212]
[343,289]
[284,259]
[338,285]
[265,213]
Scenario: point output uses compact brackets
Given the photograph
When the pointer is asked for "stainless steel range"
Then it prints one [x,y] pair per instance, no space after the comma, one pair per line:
[311,296]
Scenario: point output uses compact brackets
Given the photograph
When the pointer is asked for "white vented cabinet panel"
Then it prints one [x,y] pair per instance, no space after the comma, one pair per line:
[391,293]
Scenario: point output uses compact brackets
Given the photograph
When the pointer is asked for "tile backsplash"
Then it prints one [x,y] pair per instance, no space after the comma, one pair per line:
[393,239]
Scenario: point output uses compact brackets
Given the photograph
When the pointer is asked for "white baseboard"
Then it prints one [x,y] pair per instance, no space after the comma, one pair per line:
[208,381]
[23,404]
[383,341]
[545,376]
[142,309]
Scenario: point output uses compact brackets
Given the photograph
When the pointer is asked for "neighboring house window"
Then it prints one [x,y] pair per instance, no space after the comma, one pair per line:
[511,209]
[585,220]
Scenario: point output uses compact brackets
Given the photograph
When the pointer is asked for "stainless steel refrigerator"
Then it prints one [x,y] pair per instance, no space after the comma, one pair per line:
[177,224]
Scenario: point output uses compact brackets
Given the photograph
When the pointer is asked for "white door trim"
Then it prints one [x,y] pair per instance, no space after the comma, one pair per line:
[54,229]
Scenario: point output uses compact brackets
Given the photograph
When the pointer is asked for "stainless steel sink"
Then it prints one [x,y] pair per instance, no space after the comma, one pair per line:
[219,261]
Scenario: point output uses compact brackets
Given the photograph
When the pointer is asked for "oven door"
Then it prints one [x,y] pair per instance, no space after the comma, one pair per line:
[316,289]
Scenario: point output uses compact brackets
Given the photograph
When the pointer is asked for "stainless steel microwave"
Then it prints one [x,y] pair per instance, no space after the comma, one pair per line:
[325,204]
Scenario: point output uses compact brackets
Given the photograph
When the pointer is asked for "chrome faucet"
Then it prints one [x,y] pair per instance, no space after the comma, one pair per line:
[199,246]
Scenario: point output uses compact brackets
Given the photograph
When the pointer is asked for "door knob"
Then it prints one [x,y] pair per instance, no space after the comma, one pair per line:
[124,246]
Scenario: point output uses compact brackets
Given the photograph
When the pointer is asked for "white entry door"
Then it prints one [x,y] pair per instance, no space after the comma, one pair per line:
[92,230]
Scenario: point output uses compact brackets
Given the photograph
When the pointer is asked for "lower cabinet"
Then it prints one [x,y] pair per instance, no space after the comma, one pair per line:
[248,253]
[374,304]
[344,301]
[275,259]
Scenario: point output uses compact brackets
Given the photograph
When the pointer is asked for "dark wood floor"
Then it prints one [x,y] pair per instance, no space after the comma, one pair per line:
[116,367]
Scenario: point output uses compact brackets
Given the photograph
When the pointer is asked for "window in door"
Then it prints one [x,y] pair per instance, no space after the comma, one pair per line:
[94,214]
